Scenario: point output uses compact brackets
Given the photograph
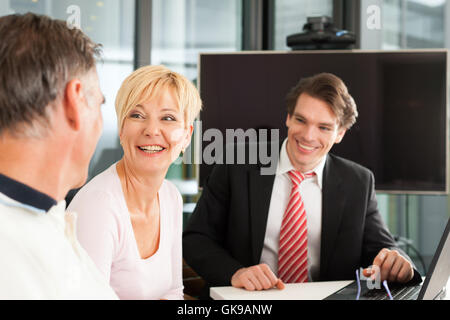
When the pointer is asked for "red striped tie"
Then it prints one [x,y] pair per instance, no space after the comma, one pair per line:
[293,251]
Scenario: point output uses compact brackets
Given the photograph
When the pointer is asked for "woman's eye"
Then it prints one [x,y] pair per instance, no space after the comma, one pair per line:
[136,116]
[169,118]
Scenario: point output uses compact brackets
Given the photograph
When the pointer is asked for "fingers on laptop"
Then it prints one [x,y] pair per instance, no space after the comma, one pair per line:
[259,277]
[402,271]
[392,267]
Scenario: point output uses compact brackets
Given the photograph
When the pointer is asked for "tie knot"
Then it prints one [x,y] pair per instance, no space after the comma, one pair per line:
[297,177]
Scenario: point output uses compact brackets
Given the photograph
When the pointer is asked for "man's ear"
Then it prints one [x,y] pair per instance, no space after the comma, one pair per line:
[340,135]
[288,118]
[73,101]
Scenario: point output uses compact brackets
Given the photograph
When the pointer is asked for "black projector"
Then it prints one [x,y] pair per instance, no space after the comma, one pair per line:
[320,34]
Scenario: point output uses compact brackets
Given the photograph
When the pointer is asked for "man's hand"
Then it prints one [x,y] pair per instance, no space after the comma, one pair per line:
[258,277]
[392,267]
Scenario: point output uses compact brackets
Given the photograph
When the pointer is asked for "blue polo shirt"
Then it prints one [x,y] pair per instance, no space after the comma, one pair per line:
[24,194]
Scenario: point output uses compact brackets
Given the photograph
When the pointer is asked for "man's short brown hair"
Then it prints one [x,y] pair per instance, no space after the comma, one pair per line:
[38,56]
[330,89]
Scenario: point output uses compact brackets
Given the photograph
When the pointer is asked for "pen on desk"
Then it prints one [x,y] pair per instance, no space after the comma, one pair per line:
[358,284]
[387,289]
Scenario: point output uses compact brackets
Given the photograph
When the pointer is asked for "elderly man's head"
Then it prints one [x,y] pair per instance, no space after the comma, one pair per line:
[38,57]
[50,97]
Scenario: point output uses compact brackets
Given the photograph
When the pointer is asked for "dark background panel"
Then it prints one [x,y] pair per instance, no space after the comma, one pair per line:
[400,133]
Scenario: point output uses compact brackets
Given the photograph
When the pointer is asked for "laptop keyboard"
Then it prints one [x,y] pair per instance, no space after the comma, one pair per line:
[398,293]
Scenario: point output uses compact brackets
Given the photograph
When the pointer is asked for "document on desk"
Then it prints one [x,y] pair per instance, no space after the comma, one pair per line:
[293,291]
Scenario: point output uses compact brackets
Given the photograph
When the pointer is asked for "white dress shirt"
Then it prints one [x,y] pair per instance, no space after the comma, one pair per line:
[311,193]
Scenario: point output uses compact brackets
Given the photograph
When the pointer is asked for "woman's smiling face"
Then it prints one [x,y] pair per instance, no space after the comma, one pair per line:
[154,133]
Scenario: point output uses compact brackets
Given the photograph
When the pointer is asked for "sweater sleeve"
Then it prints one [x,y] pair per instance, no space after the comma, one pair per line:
[97,227]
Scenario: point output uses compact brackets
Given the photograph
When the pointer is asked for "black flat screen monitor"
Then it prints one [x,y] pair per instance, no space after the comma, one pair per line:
[401,131]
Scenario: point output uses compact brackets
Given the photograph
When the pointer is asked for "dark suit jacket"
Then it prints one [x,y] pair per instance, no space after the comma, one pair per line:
[226,231]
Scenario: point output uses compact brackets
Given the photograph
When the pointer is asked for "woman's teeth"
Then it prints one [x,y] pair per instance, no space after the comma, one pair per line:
[151,149]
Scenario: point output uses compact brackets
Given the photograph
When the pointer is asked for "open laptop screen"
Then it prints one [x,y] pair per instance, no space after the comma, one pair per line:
[439,271]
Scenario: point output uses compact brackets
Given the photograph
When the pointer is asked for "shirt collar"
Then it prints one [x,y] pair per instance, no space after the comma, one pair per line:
[285,165]
[25,194]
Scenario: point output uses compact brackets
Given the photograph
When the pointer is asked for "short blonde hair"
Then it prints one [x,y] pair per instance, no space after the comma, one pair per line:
[149,81]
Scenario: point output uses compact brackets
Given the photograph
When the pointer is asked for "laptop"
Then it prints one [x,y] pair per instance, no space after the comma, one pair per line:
[432,288]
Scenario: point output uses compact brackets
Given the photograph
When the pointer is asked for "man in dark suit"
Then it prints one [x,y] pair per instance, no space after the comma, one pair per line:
[315,219]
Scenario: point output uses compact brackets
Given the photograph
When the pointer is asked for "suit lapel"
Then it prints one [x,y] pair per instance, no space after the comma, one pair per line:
[333,202]
[260,189]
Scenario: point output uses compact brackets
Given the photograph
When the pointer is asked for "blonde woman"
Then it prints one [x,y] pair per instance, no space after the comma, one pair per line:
[129,216]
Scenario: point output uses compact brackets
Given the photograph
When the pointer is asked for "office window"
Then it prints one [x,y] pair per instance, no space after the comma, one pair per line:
[181,29]
[111,23]
[413,24]
[291,15]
